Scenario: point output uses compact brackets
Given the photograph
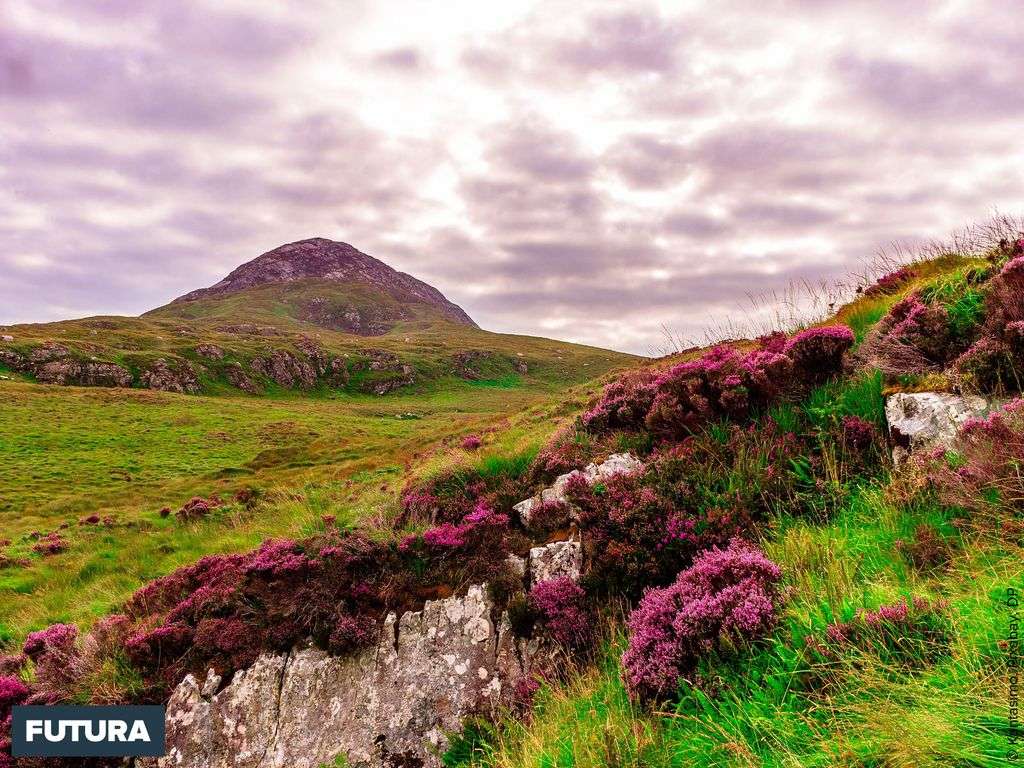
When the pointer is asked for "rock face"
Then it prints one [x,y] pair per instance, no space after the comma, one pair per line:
[286,369]
[616,464]
[237,376]
[322,259]
[181,379]
[559,559]
[390,705]
[926,419]
[52,363]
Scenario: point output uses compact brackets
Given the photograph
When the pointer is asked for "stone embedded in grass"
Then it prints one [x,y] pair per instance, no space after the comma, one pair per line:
[921,420]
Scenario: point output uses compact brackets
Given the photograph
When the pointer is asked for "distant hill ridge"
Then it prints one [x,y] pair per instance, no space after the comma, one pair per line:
[318,258]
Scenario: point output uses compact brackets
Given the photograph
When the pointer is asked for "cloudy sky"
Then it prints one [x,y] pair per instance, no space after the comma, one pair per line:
[587,172]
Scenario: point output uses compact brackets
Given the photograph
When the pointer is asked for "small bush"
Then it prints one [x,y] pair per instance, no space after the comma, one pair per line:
[891,282]
[910,633]
[727,596]
[722,384]
[560,609]
[51,544]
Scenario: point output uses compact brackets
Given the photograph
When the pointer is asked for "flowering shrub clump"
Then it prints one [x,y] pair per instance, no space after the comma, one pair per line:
[891,282]
[471,442]
[12,692]
[927,550]
[633,536]
[56,662]
[991,365]
[419,505]
[727,596]
[858,434]
[197,508]
[914,337]
[983,475]
[560,610]
[913,633]
[50,544]
[723,383]
[624,403]
[566,451]
[225,610]
[818,352]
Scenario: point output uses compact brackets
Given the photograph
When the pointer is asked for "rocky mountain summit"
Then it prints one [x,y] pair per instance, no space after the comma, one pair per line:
[321,259]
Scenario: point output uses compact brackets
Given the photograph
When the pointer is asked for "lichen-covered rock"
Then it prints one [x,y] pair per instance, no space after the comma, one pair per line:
[392,704]
[287,369]
[615,464]
[237,377]
[925,419]
[180,378]
[559,559]
[210,351]
[67,372]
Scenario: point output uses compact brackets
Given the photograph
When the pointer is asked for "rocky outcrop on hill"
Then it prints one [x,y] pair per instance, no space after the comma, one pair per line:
[180,378]
[286,369]
[52,363]
[925,419]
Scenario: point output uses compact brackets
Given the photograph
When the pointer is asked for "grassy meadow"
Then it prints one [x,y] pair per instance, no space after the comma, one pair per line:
[73,452]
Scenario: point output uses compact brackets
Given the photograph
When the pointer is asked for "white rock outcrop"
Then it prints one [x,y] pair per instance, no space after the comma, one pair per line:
[921,420]
[559,559]
[616,464]
[392,704]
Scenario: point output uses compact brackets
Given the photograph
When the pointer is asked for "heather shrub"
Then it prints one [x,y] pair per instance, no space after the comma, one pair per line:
[457,554]
[721,384]
[983,475]
[471,442]
[12,692]
[927,551]
[567,450]
[890,283]
[914,337]
[197,508]
[989,365]
[624,404]
[818,352]
[550,518]
[50,544]
[560,611]
[451,495]
[858,434]
[728,597]
[911,633]
[634,537]
[56,663]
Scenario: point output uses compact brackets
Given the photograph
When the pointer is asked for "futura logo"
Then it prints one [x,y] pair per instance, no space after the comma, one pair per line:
[59,731]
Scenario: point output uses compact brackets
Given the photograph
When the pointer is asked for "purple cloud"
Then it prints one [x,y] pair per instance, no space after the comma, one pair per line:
[581,172]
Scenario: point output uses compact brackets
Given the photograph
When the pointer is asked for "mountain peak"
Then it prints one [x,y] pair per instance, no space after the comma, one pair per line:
[318,258]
